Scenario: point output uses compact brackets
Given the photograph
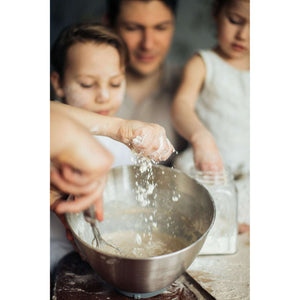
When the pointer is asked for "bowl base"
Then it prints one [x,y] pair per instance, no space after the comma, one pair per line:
[141,295]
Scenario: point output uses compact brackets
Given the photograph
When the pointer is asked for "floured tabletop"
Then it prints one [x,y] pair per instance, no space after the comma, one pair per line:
[76,280]
[226,277]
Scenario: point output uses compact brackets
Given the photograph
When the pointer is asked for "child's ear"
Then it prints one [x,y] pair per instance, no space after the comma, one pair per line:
[56,83]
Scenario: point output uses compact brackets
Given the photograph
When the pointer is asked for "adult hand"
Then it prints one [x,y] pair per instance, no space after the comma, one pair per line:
[147,139]
[79,165]
[87,195]
[206,153]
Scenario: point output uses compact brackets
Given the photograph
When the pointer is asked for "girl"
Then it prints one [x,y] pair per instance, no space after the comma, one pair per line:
[211,107]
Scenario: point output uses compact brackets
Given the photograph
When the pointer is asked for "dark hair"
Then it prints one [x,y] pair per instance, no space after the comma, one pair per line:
[82,33]
[113,8]
[219,4]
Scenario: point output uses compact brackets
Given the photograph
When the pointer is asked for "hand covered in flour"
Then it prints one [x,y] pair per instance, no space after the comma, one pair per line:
[79,165]
[207,156]
[147,139]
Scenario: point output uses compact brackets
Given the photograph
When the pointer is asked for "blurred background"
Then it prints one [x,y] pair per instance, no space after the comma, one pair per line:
[195,27]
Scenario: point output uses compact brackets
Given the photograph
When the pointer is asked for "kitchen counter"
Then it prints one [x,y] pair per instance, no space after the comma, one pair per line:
[76,280]
[226,277]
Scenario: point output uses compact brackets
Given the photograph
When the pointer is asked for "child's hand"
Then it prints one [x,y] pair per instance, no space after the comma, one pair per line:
[206,153]
[147,139]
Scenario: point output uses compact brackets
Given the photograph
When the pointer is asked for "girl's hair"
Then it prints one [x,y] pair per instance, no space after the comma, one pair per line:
[219,4]
[113,8]
[83,33]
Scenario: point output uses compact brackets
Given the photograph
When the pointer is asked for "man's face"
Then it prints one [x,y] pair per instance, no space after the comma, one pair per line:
[147,28]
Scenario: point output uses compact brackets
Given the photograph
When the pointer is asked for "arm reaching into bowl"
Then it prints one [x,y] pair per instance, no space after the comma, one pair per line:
[207,156]
[79,165]
[147,139]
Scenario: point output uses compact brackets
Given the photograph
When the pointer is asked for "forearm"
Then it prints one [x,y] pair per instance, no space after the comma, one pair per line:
[95,123]
[186,121]
[153,143]
[59,125]
[183,113]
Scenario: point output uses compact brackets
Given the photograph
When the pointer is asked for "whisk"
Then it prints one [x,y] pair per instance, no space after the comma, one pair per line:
[98,241]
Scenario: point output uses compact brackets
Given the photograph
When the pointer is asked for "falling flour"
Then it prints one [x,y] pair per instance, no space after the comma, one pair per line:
[146,187]
[146,190]
[151,242]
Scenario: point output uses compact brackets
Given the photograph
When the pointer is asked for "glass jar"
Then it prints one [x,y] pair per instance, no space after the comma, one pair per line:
[222,238]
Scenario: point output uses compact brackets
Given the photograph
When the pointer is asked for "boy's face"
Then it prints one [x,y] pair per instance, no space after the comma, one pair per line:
[233,24]
[147,28]
[93,79]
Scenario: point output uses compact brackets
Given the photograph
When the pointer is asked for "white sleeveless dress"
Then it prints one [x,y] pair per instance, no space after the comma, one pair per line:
[223,107]
[59,244]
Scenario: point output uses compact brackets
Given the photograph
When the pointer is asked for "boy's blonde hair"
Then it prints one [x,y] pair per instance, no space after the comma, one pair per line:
[83,33]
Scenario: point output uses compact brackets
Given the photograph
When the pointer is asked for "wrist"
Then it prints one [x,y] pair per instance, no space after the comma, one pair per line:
[117,130]
[196,137]
[201,137]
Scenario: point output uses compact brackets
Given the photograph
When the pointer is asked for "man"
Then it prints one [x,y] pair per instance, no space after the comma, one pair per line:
[147,27]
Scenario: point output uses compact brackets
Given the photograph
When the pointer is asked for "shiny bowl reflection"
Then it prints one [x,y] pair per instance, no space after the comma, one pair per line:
[188,218]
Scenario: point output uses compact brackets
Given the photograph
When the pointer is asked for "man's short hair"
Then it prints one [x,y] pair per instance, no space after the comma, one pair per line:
[113,8]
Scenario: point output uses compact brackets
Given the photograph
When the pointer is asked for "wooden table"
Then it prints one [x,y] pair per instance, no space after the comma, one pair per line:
[226,277]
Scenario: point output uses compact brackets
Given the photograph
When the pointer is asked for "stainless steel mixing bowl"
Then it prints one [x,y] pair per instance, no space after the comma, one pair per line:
[190,218]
